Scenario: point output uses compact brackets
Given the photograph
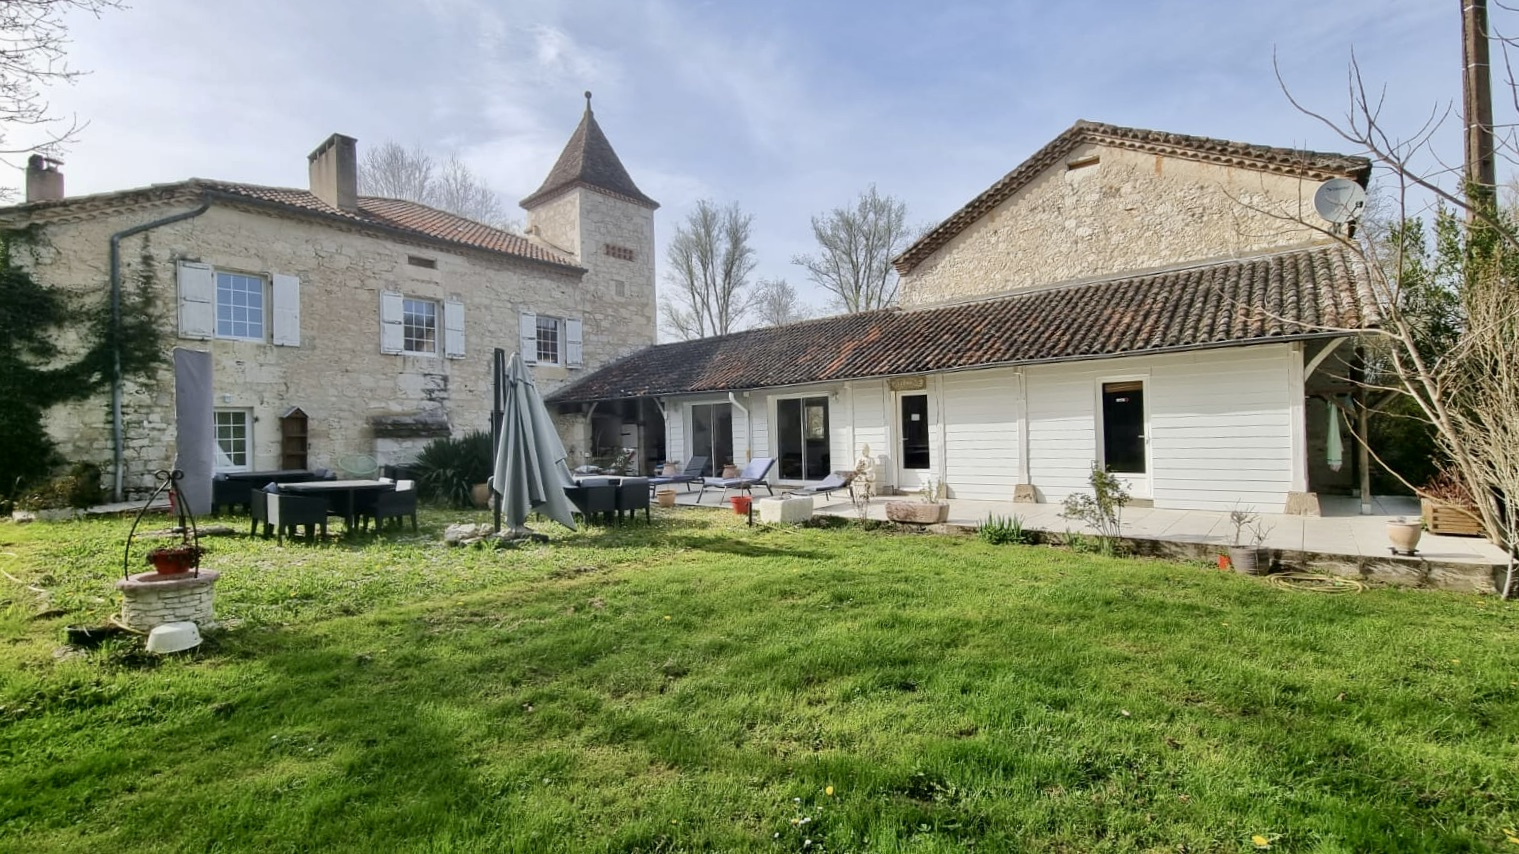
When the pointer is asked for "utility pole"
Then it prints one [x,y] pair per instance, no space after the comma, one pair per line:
[1477,107]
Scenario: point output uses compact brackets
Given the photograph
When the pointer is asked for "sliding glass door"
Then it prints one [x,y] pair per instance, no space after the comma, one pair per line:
[712,435]
[801,426]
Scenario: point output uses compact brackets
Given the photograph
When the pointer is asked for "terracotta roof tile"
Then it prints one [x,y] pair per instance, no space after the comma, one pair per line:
[1311,165]
[398,215]
[1304,293]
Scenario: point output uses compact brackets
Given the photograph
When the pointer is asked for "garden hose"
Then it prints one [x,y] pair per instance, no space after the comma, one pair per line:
[1313,582]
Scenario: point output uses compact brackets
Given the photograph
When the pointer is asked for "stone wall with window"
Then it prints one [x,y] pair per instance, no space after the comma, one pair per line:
[384,343]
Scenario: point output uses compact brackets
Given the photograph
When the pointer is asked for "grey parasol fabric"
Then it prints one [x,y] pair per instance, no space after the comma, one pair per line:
[530,472]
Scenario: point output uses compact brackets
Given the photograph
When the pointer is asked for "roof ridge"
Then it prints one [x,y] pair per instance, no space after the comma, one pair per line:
[1310,164]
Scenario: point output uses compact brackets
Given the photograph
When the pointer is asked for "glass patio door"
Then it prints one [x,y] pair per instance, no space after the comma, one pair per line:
[801,425]
[712,435]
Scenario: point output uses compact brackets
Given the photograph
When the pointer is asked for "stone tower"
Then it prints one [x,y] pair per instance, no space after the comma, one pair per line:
[590,208]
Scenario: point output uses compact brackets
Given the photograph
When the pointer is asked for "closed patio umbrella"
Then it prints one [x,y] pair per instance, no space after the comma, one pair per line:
[530,472]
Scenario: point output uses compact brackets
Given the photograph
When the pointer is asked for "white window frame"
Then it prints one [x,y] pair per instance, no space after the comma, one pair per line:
[263,307]
[546,322]
[224,461]
[409,307]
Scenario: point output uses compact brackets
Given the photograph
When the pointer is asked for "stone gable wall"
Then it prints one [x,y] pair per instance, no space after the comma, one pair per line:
[1129,211]
[337,375]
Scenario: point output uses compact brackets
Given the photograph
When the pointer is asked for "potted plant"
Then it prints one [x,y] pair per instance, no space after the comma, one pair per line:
[1447,507]
[1249,535]
[175,559]
[1404,535]
[930,509]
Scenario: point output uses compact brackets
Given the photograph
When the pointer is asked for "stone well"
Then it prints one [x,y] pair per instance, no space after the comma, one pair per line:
[149,599]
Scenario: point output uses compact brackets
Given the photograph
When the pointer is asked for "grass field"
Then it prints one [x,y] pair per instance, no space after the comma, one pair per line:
[702,686]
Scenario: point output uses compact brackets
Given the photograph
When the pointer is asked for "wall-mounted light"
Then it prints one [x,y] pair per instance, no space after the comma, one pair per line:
[226,398]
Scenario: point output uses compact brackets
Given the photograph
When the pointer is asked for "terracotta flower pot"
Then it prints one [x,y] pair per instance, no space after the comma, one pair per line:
[665,497]
[1404,536]
[741,504]
[480,495]
[730,471]
[174,560]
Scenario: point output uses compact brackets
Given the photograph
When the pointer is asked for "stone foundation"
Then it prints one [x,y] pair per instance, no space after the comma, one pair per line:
[149,599]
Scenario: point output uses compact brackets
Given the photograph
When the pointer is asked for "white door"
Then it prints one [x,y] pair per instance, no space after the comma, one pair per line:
[1124,433]
[914,450]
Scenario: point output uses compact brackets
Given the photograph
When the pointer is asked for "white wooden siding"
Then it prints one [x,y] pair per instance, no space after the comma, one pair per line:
[759,422]
[981,434]
[675,431]
[1220,430]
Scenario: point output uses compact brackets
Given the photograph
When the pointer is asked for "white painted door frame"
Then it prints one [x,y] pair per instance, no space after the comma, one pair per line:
[910,479]
[1139,485]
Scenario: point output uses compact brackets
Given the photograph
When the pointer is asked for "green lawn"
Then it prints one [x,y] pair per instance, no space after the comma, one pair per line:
[707,687]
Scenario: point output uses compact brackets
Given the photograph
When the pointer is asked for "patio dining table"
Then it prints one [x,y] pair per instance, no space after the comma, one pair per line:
[342,495]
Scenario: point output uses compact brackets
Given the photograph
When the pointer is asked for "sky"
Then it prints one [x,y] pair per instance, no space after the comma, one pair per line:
[788,108]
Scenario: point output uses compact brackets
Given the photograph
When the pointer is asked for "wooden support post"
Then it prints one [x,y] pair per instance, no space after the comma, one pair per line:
[1363,454]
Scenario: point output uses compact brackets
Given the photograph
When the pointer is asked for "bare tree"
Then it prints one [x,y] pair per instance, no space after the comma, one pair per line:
[776,304]
[856,246]
[1447,325]
[33,42]
[395,172]
[710,261]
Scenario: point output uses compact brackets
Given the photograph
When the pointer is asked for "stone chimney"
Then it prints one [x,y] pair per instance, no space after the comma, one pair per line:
[335,172]
[44,183]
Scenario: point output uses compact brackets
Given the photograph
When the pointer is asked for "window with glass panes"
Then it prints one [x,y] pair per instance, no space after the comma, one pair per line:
[419,325]
[549,340]
[239,306]
[232,439]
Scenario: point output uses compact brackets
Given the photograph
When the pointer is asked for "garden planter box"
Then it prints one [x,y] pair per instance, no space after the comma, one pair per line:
[916,512]
[1450,519]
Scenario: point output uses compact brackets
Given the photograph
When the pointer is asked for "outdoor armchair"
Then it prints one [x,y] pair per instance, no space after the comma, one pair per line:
[285,513]
[632,496]
[594,497]
[753,475]
[691,474]
[397,504]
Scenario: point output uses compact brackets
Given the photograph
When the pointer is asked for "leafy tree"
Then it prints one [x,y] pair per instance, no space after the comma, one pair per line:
[709,265]
[856,245]
[395,172]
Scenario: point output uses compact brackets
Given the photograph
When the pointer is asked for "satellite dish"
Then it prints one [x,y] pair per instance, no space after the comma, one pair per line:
[1339,200]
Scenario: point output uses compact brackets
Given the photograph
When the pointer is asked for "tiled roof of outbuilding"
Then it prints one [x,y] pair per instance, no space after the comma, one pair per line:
[589,161]
[1290,295]
[1310,165]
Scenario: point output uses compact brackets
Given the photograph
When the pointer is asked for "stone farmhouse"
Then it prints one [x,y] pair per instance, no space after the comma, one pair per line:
[1167,306]
[342,327]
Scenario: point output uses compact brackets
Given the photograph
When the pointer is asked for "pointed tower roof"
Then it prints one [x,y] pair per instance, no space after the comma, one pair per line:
[589,161]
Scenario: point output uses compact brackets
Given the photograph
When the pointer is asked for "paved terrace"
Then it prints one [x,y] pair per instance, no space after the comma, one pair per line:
[1341,541]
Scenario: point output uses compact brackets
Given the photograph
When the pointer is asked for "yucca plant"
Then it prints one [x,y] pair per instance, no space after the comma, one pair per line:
[447,468]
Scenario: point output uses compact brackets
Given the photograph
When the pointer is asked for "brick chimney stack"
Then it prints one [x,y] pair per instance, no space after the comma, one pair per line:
[44,182]
[335,172]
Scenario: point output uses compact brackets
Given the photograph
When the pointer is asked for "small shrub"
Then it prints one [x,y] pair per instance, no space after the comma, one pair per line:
[1102,509]
[448,468]
[1000,530]
[78,487]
